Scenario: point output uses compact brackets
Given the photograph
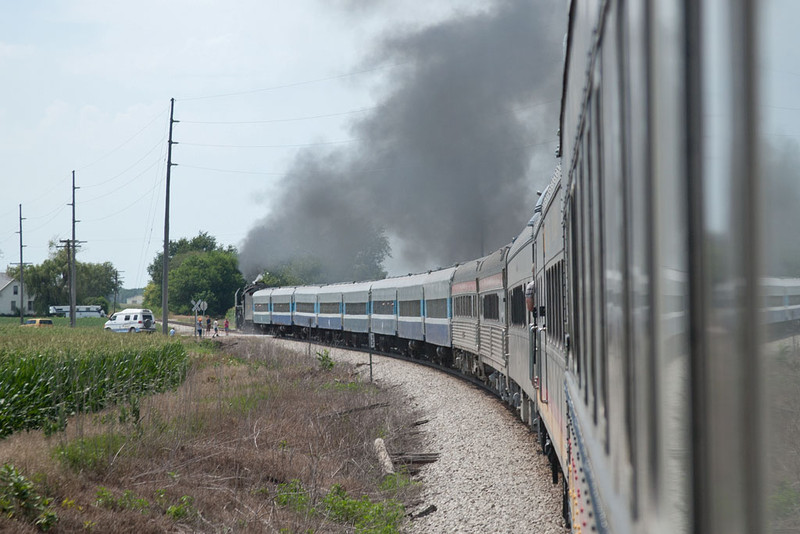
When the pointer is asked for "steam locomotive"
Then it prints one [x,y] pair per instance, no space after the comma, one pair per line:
[650,365]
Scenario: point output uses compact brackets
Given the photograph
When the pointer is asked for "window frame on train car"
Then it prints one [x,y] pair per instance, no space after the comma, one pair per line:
[409,308]
[436,308]
[518,312]
[599,313]
[355,308]
[490,307]
[383,307]
[305,307]
[281,307]
[330,308]
[464,306]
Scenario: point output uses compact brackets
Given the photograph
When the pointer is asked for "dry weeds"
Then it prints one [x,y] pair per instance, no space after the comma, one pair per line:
[249,417]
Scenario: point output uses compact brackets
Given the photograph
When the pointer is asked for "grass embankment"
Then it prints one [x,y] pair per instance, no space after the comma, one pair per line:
[256,439]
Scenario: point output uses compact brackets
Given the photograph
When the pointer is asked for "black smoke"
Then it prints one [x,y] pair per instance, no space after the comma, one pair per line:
[442,165]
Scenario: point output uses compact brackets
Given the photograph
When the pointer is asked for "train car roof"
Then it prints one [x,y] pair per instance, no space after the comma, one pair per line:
[306,290]
[466,271]
[399,281]
[267,291]
[493,263]
[522,241]
[280,291]
[346,287]
[439,275]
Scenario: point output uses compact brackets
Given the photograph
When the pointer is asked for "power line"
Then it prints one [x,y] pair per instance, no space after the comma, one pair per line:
[232,171]
[291,119]
[296,145]
[295,84]
[132,165]
[131,138]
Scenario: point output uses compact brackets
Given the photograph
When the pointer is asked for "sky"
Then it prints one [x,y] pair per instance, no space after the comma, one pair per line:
[265,91]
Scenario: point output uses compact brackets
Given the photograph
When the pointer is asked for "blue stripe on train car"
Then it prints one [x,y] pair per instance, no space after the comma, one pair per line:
[410,330]
[330,323]
[356,324]
[282,318]
[386,326]
[438,334]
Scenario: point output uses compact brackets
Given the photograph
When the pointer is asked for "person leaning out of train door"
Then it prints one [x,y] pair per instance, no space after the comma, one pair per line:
[529,291]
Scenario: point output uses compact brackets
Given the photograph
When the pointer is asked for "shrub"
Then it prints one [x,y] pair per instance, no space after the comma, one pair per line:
[18,498]
[325,360]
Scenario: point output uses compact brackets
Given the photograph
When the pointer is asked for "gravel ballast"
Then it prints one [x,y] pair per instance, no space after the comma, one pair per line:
[489,476]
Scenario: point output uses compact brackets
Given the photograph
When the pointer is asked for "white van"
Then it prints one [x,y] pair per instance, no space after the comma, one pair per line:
[131,320]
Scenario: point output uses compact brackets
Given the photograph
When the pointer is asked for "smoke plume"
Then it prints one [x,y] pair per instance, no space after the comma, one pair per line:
[442,166]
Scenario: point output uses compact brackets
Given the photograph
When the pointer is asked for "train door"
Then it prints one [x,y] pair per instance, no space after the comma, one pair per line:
[532,354]
[541,366]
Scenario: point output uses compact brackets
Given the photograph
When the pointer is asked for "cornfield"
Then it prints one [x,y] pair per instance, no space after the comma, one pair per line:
[49,375]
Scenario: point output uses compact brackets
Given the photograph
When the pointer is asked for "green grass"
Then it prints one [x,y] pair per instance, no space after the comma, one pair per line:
[91,453]
[367,516]
[84,323]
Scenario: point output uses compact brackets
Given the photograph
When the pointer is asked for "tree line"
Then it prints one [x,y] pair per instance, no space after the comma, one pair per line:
[199,269]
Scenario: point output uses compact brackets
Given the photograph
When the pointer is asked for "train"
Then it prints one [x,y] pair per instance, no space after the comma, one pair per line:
[658,359]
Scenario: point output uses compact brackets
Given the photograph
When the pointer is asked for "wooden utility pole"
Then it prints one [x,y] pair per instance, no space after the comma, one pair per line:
[21,273]
[73,289]
[116,289]
[165,272]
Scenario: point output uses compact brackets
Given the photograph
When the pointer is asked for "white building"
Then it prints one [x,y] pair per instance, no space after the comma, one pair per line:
[10,297]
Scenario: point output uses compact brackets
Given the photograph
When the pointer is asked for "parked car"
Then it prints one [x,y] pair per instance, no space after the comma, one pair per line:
[38,322]
[131,320]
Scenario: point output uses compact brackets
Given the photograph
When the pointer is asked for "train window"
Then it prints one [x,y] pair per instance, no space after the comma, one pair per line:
[410,308]
[599,279]
[383,307]
[518,315]
[280,307]
[436,308]
[304,307]
[554,278]
[464,306]
[573,269]
[779,219]
[491,307]
[261,307]
[329,307]
[355,308]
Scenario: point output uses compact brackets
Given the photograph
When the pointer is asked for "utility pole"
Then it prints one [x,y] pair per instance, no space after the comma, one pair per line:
[21,273]
[165,272]
[116,289]
[68,245]
[73,285]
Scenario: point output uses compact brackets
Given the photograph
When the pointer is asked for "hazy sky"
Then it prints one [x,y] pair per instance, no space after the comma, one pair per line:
[86,86]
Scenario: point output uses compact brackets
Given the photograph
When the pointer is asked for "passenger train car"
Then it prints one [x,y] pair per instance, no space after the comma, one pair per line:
[660,363]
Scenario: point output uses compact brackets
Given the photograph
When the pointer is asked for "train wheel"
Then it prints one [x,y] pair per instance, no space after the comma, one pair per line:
[541,432]
[565,511]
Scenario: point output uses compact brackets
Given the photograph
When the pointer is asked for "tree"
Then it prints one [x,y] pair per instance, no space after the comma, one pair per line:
[48,282]
[198,269]
[368,263]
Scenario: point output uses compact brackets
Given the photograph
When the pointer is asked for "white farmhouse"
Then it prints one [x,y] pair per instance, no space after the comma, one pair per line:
[10,297]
